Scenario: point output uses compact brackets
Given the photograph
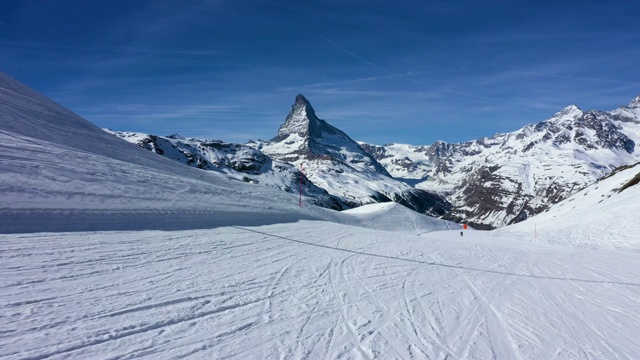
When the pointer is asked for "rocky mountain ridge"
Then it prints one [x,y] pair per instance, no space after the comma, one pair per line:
[506,178]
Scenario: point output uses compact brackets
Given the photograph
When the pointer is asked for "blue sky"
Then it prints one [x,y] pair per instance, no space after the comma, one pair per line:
[382,71]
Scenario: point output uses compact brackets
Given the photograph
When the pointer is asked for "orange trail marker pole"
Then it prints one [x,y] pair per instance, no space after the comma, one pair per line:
[300,184]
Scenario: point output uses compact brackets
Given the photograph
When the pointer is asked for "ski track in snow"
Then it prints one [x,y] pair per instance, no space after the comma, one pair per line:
[241,293]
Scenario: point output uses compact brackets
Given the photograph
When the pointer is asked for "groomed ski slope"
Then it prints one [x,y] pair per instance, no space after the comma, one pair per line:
[313,290]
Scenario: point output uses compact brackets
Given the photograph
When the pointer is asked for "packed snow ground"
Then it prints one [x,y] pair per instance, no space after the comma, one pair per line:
[313,290]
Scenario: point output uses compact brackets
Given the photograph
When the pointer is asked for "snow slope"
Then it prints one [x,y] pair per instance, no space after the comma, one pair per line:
[391,216]
[600,215]
[313,290]
[26,113]
[223,269]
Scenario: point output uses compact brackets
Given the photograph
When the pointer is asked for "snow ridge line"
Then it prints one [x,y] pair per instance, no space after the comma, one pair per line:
[440,264]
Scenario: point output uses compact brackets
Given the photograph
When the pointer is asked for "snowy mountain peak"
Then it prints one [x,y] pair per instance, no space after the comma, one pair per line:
[570,111]
[303,105]
[635,103]
[304,136]
[303,133]
[301,121]
[302,101]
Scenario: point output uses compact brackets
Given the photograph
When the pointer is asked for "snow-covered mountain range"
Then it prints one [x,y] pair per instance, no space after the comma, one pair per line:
[337,173]
[610,205]
[506,178]
[491,182]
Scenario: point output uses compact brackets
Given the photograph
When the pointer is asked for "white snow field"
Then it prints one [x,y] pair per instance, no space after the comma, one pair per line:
[108,251]
[313,290]
[598,216]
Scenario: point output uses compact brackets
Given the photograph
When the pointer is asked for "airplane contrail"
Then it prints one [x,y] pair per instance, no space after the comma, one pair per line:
[365,61]
[533,73]
[120,49]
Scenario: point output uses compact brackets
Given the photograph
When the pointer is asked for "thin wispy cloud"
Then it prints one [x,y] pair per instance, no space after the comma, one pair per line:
[342,82]
[635,86]
[165,67]
[367,62]
[559,76]
[468,95]
[175,112]
[110,49]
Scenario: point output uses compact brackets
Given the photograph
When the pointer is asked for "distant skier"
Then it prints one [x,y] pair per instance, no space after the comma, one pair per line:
[461,233]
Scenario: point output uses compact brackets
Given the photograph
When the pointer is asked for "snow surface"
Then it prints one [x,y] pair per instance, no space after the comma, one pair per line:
[391,216]
[598,216]
[313,290]
[222,269]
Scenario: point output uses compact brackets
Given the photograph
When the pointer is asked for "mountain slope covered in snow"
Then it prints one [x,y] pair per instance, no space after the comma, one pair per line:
[506,178]
[60,172]
[604,214]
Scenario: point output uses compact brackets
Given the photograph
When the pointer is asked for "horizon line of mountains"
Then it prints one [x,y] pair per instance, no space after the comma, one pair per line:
[487,183]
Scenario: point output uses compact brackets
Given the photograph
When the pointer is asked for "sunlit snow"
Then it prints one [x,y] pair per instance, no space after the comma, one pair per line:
[108,251]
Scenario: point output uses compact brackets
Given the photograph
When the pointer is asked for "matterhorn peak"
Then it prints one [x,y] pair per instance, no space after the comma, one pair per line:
[304,133]
[301,100]
[301,120]
[304,105]
[635,103]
